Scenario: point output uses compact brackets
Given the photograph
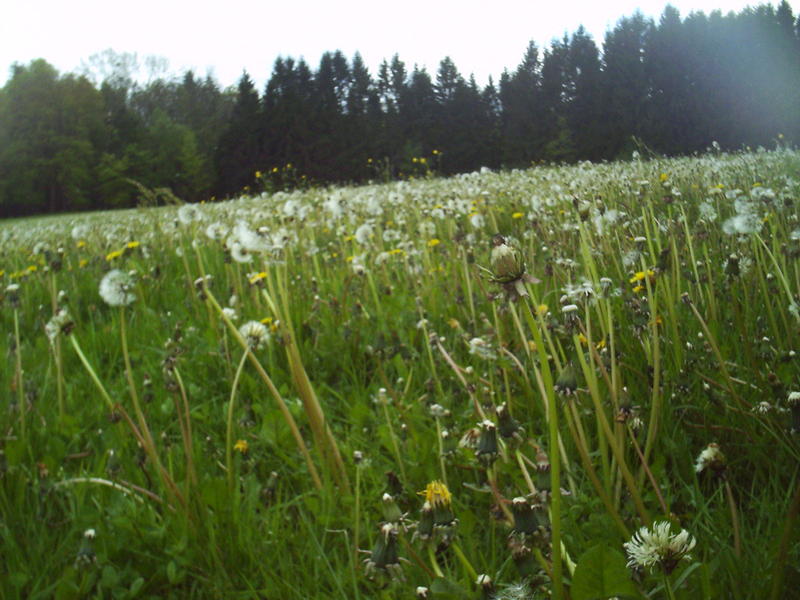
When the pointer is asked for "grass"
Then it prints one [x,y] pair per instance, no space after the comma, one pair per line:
[632,314]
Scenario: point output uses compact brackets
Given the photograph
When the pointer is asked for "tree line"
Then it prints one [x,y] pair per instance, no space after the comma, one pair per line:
[673,86]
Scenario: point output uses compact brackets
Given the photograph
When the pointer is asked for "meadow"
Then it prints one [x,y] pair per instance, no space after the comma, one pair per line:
[374,391]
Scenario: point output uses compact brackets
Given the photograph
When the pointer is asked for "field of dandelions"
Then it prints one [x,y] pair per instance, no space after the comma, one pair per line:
[374,392]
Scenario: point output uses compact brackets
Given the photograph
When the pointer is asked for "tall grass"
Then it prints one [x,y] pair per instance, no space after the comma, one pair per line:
[427,414]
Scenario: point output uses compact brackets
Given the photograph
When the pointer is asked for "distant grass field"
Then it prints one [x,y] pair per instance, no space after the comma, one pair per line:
[373,392]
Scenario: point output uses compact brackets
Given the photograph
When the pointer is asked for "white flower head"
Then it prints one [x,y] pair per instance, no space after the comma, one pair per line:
[481,348]
[59,323]
[658,547]
[255,333]
[188,213]
[115,288]
[710,458]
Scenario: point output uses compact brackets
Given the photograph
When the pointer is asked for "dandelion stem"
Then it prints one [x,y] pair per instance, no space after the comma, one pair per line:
[473,574]
[229,422]
[91,372]
[737,543]
[434,563]
[20,384]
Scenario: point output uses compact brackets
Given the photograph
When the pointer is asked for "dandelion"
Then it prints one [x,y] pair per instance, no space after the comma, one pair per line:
[188,213]
[710,458]
[59,323]
[115,288]
[255,333]
[649,548]
[241,446]
[482,349]
[240,254]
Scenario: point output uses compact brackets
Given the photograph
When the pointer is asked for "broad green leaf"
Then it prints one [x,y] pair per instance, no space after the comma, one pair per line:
[601,573]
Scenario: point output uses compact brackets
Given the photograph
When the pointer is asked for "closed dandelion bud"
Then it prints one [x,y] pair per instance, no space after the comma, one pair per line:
[484,582]
[487,451]
[567,382]
[711,458]
[732,266]
[507,425]
[384,559]
[86,556]
[268,491]
[506,262]
[201,284]
[391,512]
[12,294]
[425,524]
[525,519]
[522,555]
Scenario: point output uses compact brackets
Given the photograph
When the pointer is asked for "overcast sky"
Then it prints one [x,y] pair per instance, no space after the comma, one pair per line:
[225,37]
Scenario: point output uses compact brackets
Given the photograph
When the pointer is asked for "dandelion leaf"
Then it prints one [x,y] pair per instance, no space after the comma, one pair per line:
[446,589]
[601,573]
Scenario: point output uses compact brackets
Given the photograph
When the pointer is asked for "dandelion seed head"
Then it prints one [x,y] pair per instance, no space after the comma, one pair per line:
[115,288]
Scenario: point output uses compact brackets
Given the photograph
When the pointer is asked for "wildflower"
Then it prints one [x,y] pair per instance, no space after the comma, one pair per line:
[658,546]
[421,592]
[216,231]
[487,451]
[255,333]
[188,213]
[60,323]
[113,255]
[86,555]
[391,512]
[240,254]
[508,268]
[115,288]
[481,348]
[438,508]
[384,558]
[241,446]
[710,458]
[230,313]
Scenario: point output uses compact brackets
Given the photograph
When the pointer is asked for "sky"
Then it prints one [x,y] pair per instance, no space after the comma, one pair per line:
[226,37]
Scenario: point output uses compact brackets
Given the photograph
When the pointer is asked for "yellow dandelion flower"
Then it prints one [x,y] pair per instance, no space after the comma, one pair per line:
[638,289]
[454,324]
[601,344]
[80,244]
[663,177]
[113,255]
[641,275]
[32,269]
[517,215]
[433,242]
[583,339]
[542,309]
[266,320]
[241,446]
[437,494]
[350,258]
[254,279]
[349,238]
[132,245]
[258,174]
[397,251]
[82,263]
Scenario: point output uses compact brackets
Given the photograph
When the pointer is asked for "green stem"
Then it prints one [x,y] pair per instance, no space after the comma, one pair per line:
[229,422]
[91,372]
[434,563]
[20,387]
[473,574]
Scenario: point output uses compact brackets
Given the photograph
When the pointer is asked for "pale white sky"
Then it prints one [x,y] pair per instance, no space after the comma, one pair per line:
[226,37]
